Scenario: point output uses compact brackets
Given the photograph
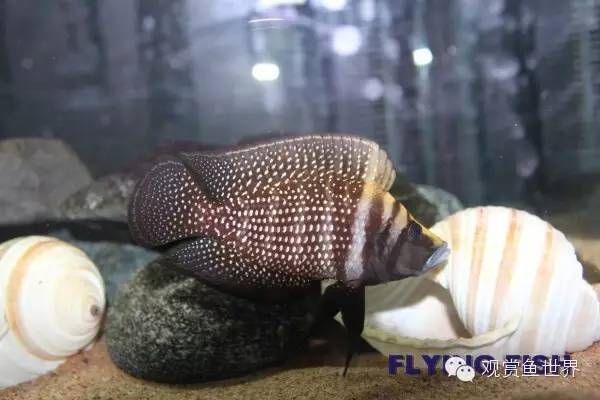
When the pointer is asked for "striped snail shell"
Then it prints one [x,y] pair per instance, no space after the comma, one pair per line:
[512,285]
[51,305]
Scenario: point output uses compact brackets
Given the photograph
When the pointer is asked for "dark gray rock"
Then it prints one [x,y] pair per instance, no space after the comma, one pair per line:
[105,198]
[427,204]
[37,176]
[167,327]
[445,203]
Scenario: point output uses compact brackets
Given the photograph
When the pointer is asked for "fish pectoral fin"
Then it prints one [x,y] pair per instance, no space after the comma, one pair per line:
[350,301]
[218,264]
[202,179]
[226,175]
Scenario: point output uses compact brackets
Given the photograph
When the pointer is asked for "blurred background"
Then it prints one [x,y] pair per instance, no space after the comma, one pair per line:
[495,101]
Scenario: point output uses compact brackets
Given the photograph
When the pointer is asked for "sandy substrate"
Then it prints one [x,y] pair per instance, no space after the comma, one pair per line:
[93,376]
[316,374]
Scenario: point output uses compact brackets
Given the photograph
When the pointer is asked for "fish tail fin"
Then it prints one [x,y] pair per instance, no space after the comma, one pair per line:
[166,205]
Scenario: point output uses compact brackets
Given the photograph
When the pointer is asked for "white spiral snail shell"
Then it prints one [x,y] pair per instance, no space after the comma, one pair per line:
[512,285]
[51,305]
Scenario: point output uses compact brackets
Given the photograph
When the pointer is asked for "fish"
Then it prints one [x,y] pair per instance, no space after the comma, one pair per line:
[277,216]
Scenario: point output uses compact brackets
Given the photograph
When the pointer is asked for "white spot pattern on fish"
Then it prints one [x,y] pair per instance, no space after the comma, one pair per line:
[279,214]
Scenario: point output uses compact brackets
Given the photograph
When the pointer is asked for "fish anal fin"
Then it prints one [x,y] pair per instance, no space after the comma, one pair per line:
[216,263]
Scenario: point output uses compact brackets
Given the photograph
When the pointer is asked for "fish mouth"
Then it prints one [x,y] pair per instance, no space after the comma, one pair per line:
[439,256]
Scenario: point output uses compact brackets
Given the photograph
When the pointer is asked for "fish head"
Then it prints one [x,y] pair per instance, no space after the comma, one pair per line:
[420,251]
[412,251]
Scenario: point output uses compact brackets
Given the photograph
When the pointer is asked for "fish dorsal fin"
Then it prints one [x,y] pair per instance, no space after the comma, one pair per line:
[227,174]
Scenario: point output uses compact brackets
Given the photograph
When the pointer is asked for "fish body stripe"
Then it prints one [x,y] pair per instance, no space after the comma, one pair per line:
[373,227]
[399,222]
[388,205]
[354,263]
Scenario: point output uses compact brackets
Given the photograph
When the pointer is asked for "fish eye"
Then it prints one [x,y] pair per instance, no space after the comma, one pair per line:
[414,231]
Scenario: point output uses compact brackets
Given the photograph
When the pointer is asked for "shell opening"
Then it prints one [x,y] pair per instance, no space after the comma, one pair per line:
[95,311]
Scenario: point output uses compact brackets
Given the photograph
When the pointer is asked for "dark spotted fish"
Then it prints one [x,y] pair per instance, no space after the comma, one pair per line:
[283,214]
